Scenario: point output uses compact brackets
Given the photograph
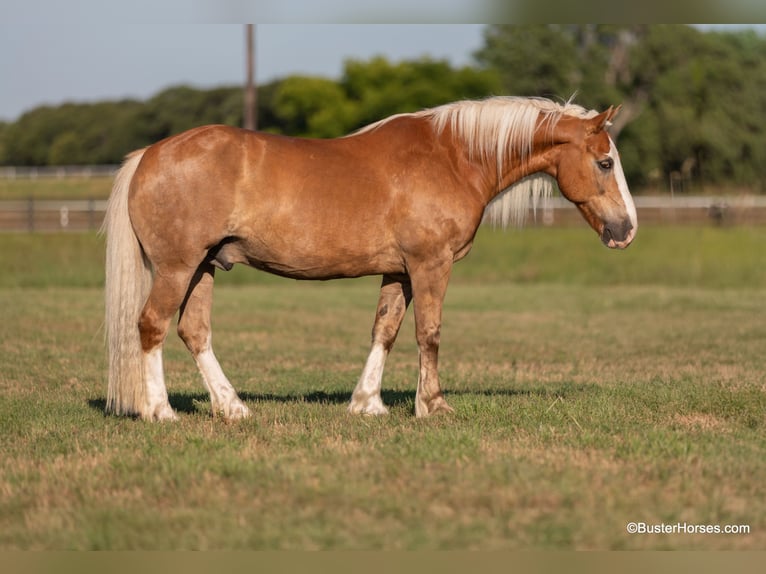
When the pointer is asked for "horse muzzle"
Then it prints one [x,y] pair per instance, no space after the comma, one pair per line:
[618,235]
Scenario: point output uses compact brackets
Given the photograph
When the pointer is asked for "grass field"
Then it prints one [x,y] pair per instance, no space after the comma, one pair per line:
[591,388]
[56,188]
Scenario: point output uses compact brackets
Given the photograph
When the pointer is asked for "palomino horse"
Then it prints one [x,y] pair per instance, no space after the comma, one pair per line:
[401,198]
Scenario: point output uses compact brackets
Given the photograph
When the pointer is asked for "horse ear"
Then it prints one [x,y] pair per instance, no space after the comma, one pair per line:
[601,121]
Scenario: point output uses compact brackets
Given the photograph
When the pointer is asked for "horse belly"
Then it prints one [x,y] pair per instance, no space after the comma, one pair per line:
[299,254]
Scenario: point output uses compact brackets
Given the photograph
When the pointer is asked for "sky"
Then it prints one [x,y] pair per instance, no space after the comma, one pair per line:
[56,51]
[50,62]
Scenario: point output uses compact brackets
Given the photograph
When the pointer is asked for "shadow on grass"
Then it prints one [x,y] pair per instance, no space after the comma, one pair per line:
[190,403]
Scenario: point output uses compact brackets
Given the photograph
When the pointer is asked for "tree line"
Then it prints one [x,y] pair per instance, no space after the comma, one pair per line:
[693,102]
[297,105]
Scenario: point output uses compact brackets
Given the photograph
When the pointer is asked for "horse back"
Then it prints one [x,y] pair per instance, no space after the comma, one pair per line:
[301,207]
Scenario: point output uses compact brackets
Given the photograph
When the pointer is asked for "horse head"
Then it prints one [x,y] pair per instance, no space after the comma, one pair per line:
[587,167]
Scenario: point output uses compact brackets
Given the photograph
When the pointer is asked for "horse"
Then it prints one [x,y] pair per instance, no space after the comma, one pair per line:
[401,198]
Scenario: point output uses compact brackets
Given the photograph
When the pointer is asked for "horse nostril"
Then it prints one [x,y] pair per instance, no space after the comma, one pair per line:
[625,230]
[606,236]
[616,233]
[621,230]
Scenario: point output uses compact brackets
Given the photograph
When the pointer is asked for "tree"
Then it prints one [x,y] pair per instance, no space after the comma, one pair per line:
[535,60]
[591,61]
[311,106]
[707,93]
[369,91]
[3,135]
[380,88]
[693,103]
[180,108]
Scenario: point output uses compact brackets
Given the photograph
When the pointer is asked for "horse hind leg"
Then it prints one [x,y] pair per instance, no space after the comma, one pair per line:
[395,296]
[195,331]
[164,299]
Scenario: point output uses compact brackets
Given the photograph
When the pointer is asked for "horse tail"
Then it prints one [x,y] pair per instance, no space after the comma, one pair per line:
[128,282]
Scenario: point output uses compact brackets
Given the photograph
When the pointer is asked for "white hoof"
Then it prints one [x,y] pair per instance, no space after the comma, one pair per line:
[161,413]
[238,412]
[235,411]
[373,406]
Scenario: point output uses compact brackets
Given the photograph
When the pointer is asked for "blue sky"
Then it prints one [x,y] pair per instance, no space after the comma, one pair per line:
[87,50]
[50,62]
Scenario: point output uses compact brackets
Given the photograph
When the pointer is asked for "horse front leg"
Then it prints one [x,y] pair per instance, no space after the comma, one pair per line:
[429,286]
[395,296]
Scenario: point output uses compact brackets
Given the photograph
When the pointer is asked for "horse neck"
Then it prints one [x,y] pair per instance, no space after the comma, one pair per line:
[541,160]
[496,174]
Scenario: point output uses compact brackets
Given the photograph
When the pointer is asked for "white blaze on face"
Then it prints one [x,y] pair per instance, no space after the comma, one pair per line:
[619,176]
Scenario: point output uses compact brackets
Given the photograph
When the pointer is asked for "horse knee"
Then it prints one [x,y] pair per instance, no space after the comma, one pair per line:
[429,338]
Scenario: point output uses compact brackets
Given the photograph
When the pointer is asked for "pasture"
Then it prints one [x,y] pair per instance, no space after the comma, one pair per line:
[56,188]
[592,389]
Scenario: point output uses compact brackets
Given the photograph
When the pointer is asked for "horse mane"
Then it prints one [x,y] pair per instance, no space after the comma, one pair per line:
[491,127]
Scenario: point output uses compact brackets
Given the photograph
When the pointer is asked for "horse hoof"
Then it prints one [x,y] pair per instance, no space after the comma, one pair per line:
[436,407]
[161,413]
[237,412]
[443,408]
[369,408]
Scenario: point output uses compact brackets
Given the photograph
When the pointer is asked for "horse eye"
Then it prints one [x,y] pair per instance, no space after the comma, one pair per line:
[606,164]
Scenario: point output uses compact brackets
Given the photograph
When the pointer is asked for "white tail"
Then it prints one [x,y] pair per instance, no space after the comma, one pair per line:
[128,281]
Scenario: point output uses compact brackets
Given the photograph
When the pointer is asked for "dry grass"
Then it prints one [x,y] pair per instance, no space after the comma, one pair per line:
[579,408]
[560,438]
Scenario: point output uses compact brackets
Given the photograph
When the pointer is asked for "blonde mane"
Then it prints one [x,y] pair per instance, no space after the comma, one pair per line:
[491,127]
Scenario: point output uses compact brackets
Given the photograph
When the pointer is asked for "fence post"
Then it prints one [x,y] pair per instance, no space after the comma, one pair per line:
[31,213]
[91,213]
[64,216]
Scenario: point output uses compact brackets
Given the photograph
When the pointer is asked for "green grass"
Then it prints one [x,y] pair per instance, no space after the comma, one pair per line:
[56,188]
[585,399]
[694,256]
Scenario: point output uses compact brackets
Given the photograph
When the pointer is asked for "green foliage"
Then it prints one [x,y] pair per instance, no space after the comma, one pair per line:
[103,133]
[687,256]
[533,60]
[370,91]
[72,134]
[314,107]
[379,88]
[297,105]
[3,135]
[693,102]
[181,108]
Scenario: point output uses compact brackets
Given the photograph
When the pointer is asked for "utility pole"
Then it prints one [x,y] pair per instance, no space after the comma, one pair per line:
[251,105]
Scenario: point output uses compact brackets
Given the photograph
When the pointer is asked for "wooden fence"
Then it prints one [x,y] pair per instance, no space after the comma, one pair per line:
[57,171]
[37,215]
